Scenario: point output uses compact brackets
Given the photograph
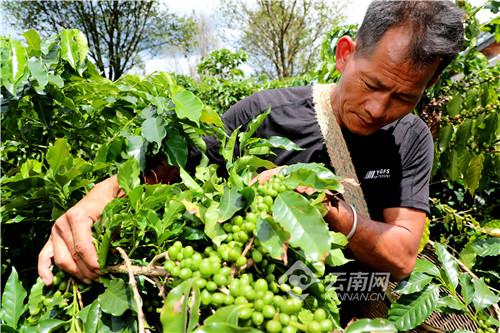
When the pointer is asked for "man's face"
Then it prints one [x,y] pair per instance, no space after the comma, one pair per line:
[380,87]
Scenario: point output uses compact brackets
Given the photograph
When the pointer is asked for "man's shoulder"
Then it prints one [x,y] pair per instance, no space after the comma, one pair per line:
[275,98]
[409,126]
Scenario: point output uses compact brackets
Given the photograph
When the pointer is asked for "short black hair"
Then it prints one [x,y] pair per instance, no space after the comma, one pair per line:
[437,26]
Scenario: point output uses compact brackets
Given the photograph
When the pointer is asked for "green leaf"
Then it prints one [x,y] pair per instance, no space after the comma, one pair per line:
[74,48]
[231,202]
[371,325]
[468,256]
[252,127]
[445,134]
[226,328]
[454,105]
[35,298]
[416,282]
[272,237]
[313,175]
[212,228]
[189,181]
[276,142]
[227,314]
[425,235]
[483,296]
[175,311]
[49,325]
[117,298]
[449,271]
[473,173]
[464,132]
[90,316]
[58,154]
[228,151]
[128,175]
[487,247]
[153,130]
[39,72]
[466,287]
[136,148]
[425,266]
[305,224]
[251,163]
[33,40]
[187,105]
[412,310]
[14,61]
[336,258]
[13,300]
[176,148]
[449,303]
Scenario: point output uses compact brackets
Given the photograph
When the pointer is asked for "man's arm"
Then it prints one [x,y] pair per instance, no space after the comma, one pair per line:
[389,246]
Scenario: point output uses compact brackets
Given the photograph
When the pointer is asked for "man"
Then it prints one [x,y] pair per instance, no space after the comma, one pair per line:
[401,48]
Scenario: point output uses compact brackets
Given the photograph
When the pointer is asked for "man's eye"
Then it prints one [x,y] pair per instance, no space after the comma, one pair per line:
[369,86]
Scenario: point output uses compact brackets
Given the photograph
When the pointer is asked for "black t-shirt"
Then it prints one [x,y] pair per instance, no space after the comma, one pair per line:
[393,165]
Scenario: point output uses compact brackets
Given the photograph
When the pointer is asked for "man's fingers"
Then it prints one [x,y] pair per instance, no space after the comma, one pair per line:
[45,263]
[81,229]
[62,256]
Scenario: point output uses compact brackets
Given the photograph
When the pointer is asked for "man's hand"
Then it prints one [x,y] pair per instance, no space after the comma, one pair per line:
[264,176]
[70,244]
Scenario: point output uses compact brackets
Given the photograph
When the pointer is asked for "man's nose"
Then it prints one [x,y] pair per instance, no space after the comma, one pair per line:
[376,106]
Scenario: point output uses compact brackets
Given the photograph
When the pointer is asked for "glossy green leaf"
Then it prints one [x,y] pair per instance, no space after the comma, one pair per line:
[33,40]
[231,202]
[187,105]
[483,297]
[416,282]
[336,258]
[277,142]
[117,298]
[449,271]
[176,148]
[153,130]
[252,127]
[58,154]
[212,228]
[272,237]
[454,105]
[128,175]
[35,297]
[136,148]
[90,316]
[464,132]
[228,151]
[39,72]
[74,47]
[466,287]
[487,247]
[468,256]
[313,175]
[412,310]
[305,224]
[371,325]
[473,173]
[49,325]
[175,311]
[487,129]
[189,181]
[14,64]
[13,300]
[210,116]
[251,163]
[449,303]
[445,134]
[425,266]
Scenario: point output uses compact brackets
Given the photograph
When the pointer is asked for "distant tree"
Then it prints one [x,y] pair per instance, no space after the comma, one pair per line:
[222,64]
[117,31]
[283,37]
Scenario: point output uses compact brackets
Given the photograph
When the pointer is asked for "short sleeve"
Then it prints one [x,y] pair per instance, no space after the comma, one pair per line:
[416,165]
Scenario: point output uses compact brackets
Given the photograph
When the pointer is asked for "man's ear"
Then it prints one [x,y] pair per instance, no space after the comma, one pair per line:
[345,51]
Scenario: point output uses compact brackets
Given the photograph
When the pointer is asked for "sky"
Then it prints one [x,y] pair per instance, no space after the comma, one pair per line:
[355,10]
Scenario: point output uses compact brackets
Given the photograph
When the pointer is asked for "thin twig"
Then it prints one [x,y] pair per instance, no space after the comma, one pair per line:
[137,270]
[160,286]
[248,246]
[159,257]
[133,285]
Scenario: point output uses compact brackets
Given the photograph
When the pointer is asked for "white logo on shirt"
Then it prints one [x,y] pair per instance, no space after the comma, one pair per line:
[378,174]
